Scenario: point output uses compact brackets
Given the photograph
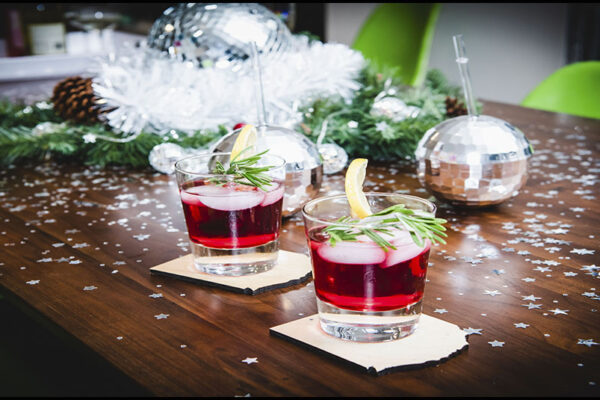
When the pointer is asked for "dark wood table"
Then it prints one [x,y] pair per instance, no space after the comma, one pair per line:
[77,244]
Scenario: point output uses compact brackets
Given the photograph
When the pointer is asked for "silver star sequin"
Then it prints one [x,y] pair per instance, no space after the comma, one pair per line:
[496,343]
[557,311]
[471,331]
[521,325]
[587,342]
[249,360]
[532,306]
[161,316]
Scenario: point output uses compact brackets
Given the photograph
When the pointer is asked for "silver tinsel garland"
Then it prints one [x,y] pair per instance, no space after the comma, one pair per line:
[156,94]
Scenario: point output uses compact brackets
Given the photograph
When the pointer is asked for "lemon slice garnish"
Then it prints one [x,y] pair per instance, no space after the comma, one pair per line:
[355,177]
[245,139]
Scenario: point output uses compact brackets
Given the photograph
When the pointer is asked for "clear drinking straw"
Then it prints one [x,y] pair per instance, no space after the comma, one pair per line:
[462,60]
[261,112]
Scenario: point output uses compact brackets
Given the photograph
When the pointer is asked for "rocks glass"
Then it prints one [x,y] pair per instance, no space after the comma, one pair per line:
[365,293]
[233,227]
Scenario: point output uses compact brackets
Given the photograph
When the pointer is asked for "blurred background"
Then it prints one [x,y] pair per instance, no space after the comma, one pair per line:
[512,47]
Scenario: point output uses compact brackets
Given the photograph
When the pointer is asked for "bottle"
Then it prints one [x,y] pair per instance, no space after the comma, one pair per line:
[45,29]
[13,32]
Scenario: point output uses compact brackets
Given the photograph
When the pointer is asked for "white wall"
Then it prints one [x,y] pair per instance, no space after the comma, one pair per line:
[511,47]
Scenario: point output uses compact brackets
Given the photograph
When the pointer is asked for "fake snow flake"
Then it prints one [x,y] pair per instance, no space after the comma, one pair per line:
[381,126]
[542,269]
[472,331]
[75,262]
[119,337]
[569,273]
[352,124]
[155,295]
[496,343]
[48,259]
[499,271]
[161,316]
[587,342]
[89,138]
[582,251]
[33,282]
[521,325]
[440,310]
[141,237]
[528,279]
[80,245]
[91,287]
[249,360]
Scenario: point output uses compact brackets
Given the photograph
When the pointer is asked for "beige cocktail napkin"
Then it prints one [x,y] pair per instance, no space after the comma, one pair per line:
[291,269]
[433,342]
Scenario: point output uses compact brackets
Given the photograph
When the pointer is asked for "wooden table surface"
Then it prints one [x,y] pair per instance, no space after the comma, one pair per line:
[77,244]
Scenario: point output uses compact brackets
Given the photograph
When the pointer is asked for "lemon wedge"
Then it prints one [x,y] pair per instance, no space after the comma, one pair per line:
[246,138]
[355,177]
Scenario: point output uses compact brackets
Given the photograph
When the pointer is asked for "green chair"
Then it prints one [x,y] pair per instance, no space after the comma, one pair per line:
[400,35]
[573,89]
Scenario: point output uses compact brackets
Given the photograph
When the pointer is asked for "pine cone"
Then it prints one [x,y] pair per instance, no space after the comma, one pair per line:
[454,108]
[74,100]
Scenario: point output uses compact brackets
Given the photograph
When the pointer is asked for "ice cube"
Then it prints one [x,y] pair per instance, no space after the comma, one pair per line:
[222,198]
[273,195]
[352,253]
[404,251]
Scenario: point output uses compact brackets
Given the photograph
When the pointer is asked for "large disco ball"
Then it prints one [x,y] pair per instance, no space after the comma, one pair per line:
[218,34]
[473,160]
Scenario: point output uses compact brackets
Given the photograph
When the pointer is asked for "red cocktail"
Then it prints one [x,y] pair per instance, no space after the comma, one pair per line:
[361,276]
[233,215]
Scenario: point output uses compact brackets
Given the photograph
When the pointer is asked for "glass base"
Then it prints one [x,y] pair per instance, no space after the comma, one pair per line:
[235,262]
[369,326]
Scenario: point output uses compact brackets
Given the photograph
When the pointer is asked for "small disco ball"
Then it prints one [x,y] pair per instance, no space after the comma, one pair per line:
[303,165]
[473,161]
[218,34]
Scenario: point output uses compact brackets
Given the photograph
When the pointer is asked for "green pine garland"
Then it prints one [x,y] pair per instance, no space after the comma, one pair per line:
[399,139]
[64,141]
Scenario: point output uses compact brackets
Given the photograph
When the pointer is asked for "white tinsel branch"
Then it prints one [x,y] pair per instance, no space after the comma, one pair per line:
[158,94]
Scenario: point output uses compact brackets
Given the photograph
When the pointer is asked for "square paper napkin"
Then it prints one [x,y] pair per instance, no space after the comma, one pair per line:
[433,342]
[291,269]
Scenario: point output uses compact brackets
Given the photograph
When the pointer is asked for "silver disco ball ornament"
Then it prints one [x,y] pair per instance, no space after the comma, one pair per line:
[163,156]
[304,168]
[393,108]
[473,160]
[218,34]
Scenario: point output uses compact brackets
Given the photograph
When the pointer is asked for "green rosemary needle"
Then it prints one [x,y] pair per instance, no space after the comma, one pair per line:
[419,225]
[243,171]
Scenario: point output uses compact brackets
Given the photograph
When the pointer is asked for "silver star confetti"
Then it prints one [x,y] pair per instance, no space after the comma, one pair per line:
[472,331]
[161,316]
[557,311]
[496,343]
[521,325]
[249,360]
[587,342]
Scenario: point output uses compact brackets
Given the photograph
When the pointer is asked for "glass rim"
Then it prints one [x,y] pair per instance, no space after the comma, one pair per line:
[372,194]
[209,153]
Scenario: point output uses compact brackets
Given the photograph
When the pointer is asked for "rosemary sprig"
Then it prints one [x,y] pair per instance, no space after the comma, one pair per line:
[420,226]
[243,171]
